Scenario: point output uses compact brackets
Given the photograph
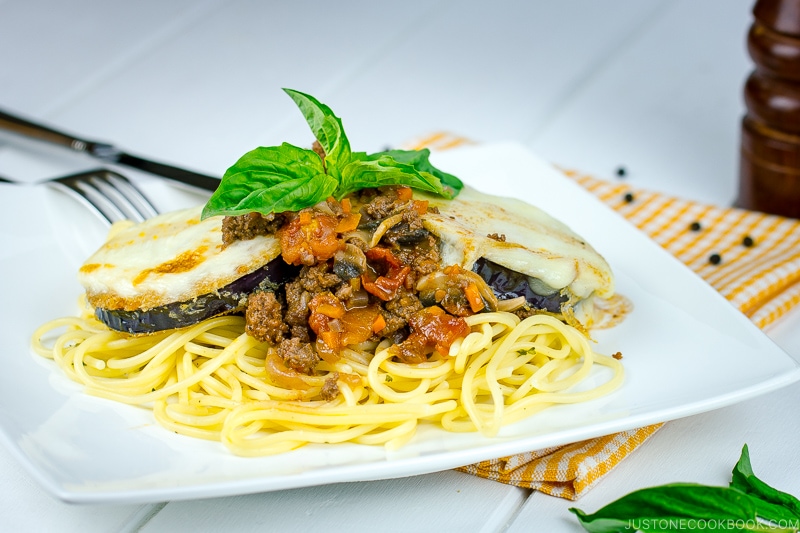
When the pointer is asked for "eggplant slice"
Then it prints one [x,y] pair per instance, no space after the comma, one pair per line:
[173,270]
[508,285]
[229,299]
[557,269]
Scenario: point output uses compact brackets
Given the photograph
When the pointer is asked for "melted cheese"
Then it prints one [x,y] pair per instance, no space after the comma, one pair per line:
[176,257]
[173,257]
[523,238]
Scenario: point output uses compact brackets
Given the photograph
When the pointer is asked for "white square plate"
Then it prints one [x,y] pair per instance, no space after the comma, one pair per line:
[686,350]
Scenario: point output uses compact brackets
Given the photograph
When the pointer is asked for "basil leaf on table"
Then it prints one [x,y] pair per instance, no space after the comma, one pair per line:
[774,505]
[654,508]
[271,180]
[748,504]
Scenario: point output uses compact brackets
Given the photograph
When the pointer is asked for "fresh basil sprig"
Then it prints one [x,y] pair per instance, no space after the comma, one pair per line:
[748,504]
[288,178]
[419,160]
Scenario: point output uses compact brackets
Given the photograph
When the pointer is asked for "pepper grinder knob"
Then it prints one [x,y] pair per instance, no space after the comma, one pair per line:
[769,173]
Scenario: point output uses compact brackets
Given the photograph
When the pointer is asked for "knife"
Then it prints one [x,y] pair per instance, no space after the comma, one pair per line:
[107,152]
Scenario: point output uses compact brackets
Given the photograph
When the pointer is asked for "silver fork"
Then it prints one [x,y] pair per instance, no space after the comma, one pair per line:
[109,194]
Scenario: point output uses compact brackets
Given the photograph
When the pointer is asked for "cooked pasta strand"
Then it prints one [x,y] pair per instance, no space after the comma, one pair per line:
[210,381]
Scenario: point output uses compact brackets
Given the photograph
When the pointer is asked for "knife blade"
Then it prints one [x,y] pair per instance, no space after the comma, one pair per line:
[106,152]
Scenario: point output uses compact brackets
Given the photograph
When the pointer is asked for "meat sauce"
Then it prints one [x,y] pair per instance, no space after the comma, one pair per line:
[360,262]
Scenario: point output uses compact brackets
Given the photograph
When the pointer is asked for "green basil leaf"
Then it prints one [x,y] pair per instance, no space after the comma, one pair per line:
[271,180]
[679,506]
[419,159]
[288,178]
[327,128]
[774,505]
[380,169]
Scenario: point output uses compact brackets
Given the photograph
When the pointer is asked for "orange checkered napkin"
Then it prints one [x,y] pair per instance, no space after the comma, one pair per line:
[751,258]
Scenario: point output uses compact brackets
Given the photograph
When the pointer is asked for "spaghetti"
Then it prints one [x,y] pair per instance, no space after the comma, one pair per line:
[213,381]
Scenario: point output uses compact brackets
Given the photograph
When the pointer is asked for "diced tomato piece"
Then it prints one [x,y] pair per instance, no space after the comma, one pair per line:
[358,324]
[327,304]
[383,254]
[431,328]
[309,238]
[385,286]
[352,326]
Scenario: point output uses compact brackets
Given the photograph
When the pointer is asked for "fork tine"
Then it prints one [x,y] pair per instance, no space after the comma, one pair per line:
[89,197]
[108,194]
[133,194]
[125,194]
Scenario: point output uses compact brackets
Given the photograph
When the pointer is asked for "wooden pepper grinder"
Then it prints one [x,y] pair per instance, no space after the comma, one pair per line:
[769,174]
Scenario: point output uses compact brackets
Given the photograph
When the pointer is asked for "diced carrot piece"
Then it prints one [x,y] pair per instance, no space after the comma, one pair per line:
[474,297]
[404,193]
[379,323]
[420,206]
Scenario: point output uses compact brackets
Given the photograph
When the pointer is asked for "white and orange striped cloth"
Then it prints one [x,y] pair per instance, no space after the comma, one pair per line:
[751,258]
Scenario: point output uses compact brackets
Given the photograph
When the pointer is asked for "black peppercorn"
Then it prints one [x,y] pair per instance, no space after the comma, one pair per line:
[621,172]
[629,197]
[695,226]
[715,259]
[748,241]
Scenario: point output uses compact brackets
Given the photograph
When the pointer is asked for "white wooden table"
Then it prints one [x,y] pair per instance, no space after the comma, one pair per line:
[651,85]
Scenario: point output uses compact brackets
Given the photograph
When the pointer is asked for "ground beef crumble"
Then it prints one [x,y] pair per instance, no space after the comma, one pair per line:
[398,310]
[250,225]
[264,317]
[318,278]
[298,355]
[330,390]
[297,311]
[381,203]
